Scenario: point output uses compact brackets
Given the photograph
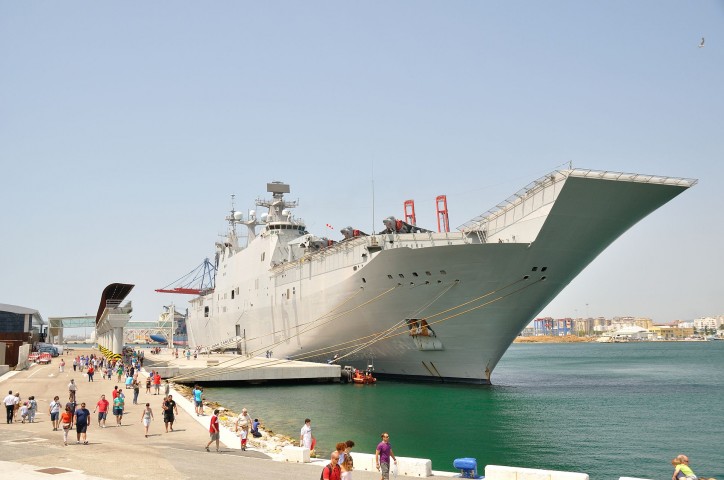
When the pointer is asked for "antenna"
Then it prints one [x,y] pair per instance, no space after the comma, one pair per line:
[373,198]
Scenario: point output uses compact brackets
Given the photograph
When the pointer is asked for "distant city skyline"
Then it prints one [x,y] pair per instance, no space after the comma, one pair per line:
[126,128]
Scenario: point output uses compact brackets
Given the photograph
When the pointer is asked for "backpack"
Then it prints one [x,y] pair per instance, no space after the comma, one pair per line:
[329,466]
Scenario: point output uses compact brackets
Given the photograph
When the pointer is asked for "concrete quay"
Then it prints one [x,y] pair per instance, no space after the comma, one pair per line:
[29,450]
[236,368]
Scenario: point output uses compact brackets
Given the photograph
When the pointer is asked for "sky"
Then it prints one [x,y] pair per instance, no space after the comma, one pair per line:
[125,127]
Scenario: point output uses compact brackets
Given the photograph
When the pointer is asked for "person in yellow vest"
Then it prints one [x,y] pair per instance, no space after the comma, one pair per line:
[682,471]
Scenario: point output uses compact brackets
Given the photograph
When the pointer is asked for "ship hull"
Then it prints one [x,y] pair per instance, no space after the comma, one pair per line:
[476,292]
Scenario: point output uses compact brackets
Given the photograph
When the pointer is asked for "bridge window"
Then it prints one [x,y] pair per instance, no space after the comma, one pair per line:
[232,294]
[206,311]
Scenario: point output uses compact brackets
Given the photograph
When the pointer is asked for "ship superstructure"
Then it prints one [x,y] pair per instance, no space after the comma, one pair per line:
[411,302]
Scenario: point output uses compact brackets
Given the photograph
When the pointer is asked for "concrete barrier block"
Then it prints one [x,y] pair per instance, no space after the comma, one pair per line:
[556,475]
[414,467]
[533,474]
[364,461]
[295,454]
[500,472]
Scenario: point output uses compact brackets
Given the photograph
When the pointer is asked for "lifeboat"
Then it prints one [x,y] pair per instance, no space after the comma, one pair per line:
[363,378]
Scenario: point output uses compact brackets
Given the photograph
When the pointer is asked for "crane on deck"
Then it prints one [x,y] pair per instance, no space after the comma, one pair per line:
[198,281]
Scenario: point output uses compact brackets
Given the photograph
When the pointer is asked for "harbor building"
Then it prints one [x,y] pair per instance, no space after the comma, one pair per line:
[18,326]
[668,332]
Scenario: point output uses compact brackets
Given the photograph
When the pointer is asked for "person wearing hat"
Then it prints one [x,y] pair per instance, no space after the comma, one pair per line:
[243,424]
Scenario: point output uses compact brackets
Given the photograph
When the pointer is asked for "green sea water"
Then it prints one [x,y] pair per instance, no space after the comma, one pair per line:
[609,410]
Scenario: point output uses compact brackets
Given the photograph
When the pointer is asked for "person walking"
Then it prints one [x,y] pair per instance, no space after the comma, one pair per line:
[9,402]
[169,409]
[346,467]
[198,400]
[156,384]
[32,408]
[16,407]
[102,408]
[166,388]
[136,391]
[332,470]
[91,371]
[54,411]
[61,367]
[382,456]
[118,408]
[305,435]
[214,431]
[72,390]
[66,420]
[146,418]
[82,422]
[243,424]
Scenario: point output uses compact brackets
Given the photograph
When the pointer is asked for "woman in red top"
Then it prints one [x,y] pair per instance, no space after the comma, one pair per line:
[65,420]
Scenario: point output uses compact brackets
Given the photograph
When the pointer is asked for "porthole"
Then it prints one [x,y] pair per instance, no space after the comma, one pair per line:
[443,272]
[534,269]
[428,274]
[389,276]
[544,269]
[354,268]
[364,280]
[401,275]
[414,274]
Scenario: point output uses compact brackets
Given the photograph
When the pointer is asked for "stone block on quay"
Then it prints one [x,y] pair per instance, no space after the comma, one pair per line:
[500,472]
[364,461]
[296,454]
[533,474]
[414,467]
[557,475]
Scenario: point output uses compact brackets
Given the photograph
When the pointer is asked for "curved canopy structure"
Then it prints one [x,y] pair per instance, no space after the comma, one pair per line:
[112,297]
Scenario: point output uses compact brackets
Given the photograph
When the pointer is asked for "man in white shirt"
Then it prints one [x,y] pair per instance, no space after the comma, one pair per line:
[10,401]
[305,435]
[72,388]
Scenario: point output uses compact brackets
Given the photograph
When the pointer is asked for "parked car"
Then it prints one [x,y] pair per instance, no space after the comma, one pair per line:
[49,349]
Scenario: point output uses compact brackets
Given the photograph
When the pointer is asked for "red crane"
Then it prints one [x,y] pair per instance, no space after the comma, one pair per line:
[198,281]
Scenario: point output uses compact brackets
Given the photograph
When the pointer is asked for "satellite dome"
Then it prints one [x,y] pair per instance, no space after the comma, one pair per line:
[264,216]
[237,215]
[252,213]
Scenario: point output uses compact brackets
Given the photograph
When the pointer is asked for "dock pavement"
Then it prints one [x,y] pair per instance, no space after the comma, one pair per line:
[35,451]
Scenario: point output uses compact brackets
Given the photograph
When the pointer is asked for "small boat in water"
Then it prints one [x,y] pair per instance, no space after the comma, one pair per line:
[363,378]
